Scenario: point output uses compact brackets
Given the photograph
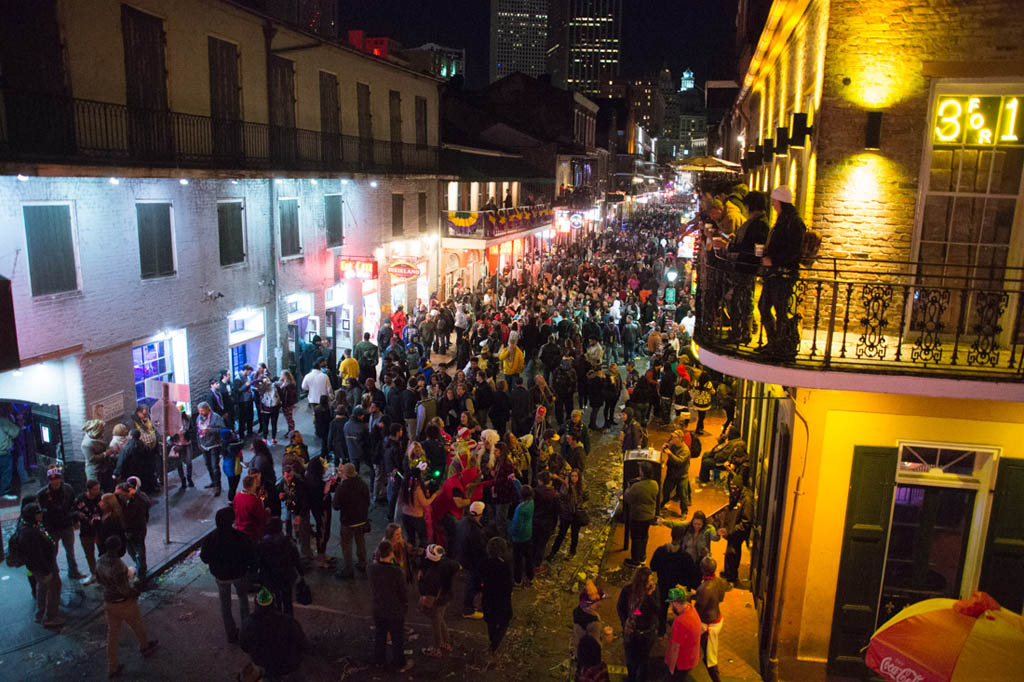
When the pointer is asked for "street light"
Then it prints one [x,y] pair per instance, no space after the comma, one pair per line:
[672,276]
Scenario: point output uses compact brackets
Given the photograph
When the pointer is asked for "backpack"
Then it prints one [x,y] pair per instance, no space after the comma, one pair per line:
[642,440]
[809,247]
[695,445]
[14,557]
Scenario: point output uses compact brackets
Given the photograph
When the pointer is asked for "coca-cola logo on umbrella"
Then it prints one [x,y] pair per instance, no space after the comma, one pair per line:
[898,673]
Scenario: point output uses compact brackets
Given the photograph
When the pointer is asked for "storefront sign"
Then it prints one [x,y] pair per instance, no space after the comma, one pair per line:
[576,221]
[978,120]
[347,267]
[402,271]
[670,295]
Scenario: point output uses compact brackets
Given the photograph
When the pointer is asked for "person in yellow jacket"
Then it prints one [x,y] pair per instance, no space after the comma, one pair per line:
[512,361]
[348,367]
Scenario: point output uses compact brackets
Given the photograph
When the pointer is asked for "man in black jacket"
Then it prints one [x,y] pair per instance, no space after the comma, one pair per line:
[135,505]
[272,639]
[57,501]
[674,566]
[390,602]
[550,356]
[230,554]
[352,500]
[242,396]
[471,545]
[39,553]
[522,408]
[782,260]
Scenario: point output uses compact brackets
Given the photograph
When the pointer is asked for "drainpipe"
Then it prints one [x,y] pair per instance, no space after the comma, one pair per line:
[773,633]
[268,37]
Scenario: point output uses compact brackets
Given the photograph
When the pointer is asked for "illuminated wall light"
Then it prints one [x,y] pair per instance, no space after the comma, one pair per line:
[183,181]
[782,141]
[278,181]
[312,182]
[114,181]
[22,178]
[234,182]
[373,184]
[344,181]
[873,131]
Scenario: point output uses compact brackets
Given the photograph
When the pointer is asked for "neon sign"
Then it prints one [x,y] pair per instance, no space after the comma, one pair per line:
[402,271]
[976,120]
[346,267]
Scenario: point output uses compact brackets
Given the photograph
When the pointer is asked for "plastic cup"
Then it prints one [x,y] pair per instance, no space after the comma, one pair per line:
[758,250]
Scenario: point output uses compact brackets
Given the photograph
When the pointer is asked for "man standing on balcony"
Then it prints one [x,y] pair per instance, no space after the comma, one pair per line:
[782,260]
[508,198]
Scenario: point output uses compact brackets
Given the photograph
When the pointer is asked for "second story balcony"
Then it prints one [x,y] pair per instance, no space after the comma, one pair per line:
[499,223]
[865,318]
[47,128]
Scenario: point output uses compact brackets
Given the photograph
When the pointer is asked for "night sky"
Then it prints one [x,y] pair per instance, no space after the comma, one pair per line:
[698,34]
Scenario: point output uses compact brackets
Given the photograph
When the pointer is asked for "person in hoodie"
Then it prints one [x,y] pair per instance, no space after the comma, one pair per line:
[230,554]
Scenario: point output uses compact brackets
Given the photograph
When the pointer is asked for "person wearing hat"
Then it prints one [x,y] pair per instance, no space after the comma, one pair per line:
[121,603]
[683,650]
[98,464]
[782,259]
[87,516]
[274,640]
[471,546]
[435,585]
[37,550]
[57,500]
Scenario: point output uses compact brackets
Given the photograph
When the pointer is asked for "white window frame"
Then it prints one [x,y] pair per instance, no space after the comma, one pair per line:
[73,218]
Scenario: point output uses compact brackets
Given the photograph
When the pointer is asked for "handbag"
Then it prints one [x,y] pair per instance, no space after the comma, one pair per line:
[303,595]
[580,517]
[427,603]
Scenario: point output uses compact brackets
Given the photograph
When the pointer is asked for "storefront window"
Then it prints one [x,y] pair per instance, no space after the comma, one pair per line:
[152,361]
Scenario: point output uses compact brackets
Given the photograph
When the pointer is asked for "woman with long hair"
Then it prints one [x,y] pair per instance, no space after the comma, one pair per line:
[413,502]
[571,496]
[289,394]
[638,612]
[111,522]
[393,535]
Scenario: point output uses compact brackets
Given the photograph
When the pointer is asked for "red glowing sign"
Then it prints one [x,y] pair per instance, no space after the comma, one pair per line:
[347,267]
[403,271]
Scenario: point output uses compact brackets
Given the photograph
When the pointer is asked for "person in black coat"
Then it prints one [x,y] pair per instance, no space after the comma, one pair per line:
[522,408]
[501,408]
[273,640]
[390,602]
[279,565]
[497,591]
[674,566]
[230,554]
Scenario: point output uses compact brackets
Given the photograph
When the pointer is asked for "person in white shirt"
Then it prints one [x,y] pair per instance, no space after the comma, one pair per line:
[316,384]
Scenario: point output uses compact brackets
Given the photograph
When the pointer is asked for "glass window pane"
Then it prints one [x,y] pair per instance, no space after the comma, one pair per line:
[965,223]
[1006,170]
[936,218]
[998,221]
[941,175]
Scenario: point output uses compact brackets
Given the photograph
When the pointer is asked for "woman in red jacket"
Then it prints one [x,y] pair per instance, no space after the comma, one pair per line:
[250,514]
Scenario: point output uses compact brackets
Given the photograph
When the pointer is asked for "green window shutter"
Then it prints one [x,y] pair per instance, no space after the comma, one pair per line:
[333,220]
[869,506]
[1003,562]
[397,215]
[291,244]
[51,249]
[156,251]
[229,229]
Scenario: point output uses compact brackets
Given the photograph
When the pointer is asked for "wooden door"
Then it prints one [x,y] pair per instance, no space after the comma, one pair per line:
[225,101]
[281,73]
[149,131]
[1003,563]
[330,118]
[395,116]
[365,126]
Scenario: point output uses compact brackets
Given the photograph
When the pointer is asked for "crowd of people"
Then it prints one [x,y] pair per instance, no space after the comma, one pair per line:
[479,463]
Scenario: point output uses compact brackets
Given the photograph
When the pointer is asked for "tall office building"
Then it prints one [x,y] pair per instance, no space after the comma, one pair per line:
[518,37]
[584,43]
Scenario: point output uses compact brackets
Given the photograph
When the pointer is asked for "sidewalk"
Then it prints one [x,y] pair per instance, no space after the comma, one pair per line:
[191,518]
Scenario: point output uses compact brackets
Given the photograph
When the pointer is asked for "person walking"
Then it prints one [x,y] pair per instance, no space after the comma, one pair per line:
[352,500]
[708,600]
[638,608]
[230,554]
[57,500]
[497,591]
[121,604]
[520,534]
[683,650]
[87,518]
[34,547]
[135,506]
[435,585]
[274,641]
[571,515]
[642,501]
[390,602]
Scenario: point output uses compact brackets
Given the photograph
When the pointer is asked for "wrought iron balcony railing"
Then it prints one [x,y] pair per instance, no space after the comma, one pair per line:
[42,127]
[490,224]
[878,317]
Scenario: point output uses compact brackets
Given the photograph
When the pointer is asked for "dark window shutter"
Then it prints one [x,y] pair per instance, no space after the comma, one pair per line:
[397,215]
[51,249]
[422,201]
[290,242]
[421,121]
[869,506]
[333,219]
[229,228]
[156,254]
[1003,563]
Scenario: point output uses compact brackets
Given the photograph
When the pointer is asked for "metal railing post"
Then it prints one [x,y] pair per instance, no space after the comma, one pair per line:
[832,313]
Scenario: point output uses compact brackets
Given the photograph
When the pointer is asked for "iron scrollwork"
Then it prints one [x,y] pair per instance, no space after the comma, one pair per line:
[989,309]
[877,298]
[930,306]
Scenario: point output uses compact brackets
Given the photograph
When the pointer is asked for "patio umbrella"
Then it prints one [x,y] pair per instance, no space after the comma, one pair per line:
[945,640]
[708,164]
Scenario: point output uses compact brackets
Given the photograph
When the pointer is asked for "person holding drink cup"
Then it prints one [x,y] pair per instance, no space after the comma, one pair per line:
[745,250]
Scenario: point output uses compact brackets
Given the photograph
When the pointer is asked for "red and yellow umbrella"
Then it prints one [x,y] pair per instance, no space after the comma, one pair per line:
[945,640]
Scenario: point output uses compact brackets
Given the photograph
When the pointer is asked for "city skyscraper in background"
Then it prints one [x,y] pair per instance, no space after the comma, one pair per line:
[518,37]
[584,42]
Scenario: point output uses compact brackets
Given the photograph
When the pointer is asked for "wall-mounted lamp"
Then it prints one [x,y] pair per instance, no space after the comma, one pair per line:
[769,149]
[873,131]
[800,131]
[782,140]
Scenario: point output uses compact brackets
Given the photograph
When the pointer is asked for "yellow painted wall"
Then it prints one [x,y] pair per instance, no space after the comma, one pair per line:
[838,421]
[95,57]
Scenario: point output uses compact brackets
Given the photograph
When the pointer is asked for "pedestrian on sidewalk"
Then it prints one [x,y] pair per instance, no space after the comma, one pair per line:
[708,601]
[586,621]
[251,514]
[242,394]
[208,427]
[435,585]
[275,641]
[230,555]
[683,650]
[292,493]
[87,518]
[32,546]
[352,500]
[471,546]
[135,506]
[642,501]
[121,603]
[638,608]
[571,515]
[269,408]
[279,565]
[497,592]
[288,392]
[57,500]
[390,602]
[673,566]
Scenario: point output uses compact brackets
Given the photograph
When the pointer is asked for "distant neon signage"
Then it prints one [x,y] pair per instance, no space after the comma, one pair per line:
[403,271]
[346,267]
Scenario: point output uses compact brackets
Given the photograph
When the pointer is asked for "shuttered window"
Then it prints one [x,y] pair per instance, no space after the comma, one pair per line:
[231,232]
[421,121]
[51,249]
[332,219]
[156,243]
[291,242]
[397,215]
[422,205]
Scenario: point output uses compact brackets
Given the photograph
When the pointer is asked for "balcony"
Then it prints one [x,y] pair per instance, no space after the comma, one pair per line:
[876,318]
[492,224]
[47,128]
